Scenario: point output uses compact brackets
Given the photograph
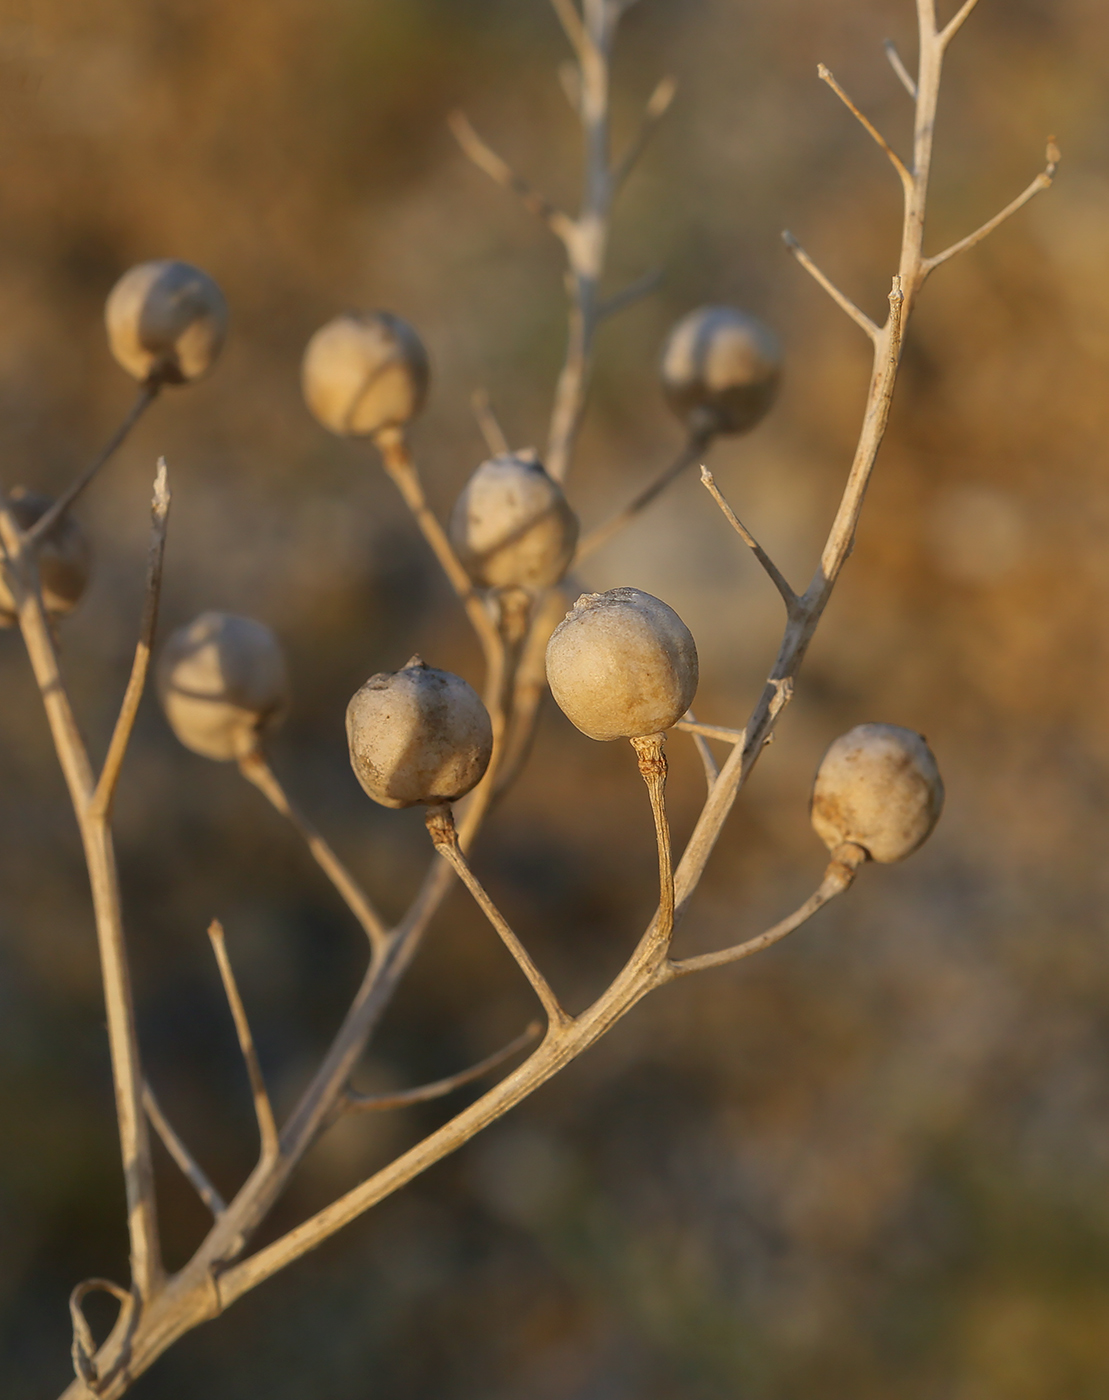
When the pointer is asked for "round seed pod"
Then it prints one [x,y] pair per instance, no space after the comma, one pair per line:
[166,320]
[223,684]
[512,527]
[418,735]
[63,554]
[720,370]
[622,665]
[878,787]
[362,373]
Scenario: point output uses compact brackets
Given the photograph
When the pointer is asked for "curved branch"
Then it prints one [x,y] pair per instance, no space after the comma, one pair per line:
[439,1088]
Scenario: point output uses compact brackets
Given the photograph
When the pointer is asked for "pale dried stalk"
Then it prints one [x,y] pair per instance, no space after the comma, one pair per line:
[181,1154]
[263,1110]
[213,1279]
[773,572]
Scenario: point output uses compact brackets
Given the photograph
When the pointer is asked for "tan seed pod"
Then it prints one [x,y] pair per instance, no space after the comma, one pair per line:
[418,735]
[223,684]
[622,665]
[720,370]
[166,320]
[512,527]
[877,787]
[363,373]
[63,555]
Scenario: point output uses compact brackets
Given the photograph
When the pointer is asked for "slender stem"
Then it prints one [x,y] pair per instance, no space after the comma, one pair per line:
[899,68]
[844,302]
[789,597]
[485,158]
[439,1088]
[826,76]
[694,448]
[837,878]
[440,825]
[491,429]
[255,768]
[397,460]
[136,682]
[263,1110]
[181,1154]
[710,731]
[148,392]
[652,766]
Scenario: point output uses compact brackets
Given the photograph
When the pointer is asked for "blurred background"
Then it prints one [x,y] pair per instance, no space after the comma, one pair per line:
[872,1161]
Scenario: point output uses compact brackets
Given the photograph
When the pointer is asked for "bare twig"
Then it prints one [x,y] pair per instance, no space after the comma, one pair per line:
[899,68]
[652,766]
[491,429]
[868,126]
[440,824]
[837,878]
[136,682]
[789,597]
[700,743]
[398,462]
[571,22]
[439,1088]
[148,392]
[956,23]
[181,1154]
[256,769]
[710,731]
[629,295]
[843,302]
[694,448]
[658,104]
[263,1111]
[485,158]
[1042,182]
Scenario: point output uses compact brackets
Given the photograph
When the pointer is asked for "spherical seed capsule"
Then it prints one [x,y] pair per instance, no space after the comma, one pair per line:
[418,735]
[63,554]
[166,320]
[362,373]
[878,787]
[223,684]
[512,527]
[720,370]
[622,665]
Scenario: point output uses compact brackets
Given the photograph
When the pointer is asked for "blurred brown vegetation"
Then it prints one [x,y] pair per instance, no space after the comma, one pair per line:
[871,1162]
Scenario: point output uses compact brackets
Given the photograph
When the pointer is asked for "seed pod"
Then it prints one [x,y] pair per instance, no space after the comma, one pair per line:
[223,684]
[512,527]
[63,554]
[622,665]
[878,787]
[166,320]
[720,370]
[362,373]
[418,735]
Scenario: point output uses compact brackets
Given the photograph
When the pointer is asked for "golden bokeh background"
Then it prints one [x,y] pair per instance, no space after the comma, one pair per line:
[871,1162]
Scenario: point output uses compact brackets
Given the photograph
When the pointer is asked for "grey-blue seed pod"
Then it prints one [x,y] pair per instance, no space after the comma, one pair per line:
[166,320]
[63,556]
[720,370]
[364,372]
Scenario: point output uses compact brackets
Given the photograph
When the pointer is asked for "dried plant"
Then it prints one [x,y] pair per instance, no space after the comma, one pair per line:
[622,665]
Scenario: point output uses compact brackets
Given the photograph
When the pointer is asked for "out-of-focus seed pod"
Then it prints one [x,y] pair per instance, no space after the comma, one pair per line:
[223,684]
[63,555]
[363,373]
[418,735]
[512,527]
[877,787]
[166,321]
[622,665]
[720,370]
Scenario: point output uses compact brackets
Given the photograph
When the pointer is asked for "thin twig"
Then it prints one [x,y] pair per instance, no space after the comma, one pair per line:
[629,295]
[397,460]
[899,68]
[658,104]
[710,731]
[491,429]
[136,682]
[148,392]
[439,1088]
[256,769]
[952,27]
[777,578]
[181,1154]
[263,1110]
[841,300]
[693,449]
[440,825]
[825,75]
[1042,182]
[652,766]
[708,760]
[570,20]
[485,158]
[837,878]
